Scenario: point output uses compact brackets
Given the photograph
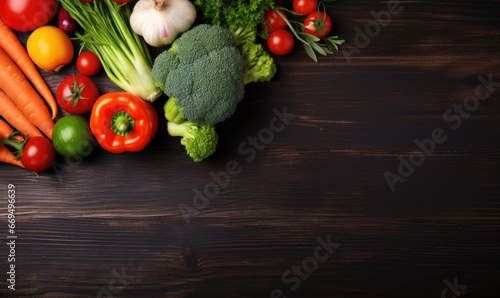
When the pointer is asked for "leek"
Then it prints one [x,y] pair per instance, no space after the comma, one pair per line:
[124,55]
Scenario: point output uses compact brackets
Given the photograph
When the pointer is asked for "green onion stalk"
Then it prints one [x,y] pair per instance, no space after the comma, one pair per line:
[124,55]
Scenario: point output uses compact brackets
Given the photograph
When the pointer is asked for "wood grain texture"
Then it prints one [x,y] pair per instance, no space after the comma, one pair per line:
[321,176]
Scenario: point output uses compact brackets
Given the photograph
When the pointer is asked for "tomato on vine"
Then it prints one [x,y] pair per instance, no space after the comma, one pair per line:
[305,7]
[273,21]
[77,94]
[318,24]
[280,42]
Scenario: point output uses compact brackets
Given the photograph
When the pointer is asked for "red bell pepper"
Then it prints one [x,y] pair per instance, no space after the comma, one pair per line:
[121,122]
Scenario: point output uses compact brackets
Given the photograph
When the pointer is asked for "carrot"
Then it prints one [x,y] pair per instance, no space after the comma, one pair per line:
[19,90]
[12,114]
[13,47]
[5,154]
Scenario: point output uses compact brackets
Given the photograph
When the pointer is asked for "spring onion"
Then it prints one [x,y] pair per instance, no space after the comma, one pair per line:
[123,54]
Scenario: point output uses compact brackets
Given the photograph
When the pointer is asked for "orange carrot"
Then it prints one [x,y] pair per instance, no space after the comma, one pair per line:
[13,47]
[18,89]
[12,114]
[5,154]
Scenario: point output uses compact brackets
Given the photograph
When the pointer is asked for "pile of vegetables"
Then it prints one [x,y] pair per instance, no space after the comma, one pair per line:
[22,106]
[202,69]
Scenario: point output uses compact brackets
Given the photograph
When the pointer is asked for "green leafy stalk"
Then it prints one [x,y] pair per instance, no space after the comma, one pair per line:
[123,54]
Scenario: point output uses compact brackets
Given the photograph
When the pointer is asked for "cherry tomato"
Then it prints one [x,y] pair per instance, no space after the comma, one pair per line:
[122,1]
[88,63]
[27,15]
[50,48]
[87,1]
[38,154]
[280,42]
[273,21]
[77,94]
[305,7]
[318,24]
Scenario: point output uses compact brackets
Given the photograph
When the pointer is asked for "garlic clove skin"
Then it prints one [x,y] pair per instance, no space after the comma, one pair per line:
[159,22]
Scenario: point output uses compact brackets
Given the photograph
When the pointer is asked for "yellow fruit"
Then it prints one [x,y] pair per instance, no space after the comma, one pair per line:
[50,48]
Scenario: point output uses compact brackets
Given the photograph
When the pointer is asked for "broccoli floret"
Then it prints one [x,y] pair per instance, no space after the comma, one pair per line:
[207,81]
[200,141]
[243,35]
[163,62]
[200,41]
[210,94]
[260,66]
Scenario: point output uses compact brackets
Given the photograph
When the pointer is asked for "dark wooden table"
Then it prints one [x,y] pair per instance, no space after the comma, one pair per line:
[373,173]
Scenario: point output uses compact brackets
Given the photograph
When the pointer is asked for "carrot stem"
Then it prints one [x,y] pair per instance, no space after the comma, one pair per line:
[5,154]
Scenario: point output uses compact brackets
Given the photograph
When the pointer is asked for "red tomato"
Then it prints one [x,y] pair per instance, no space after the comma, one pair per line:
[280,42]
[122,1]
[318,24]
[77,94]
[305,7]
[27,15]
[87,1]
[273,21]
[88,63]
[38,154]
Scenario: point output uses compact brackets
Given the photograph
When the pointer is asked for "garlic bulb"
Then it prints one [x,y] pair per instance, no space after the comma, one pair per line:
[160,21]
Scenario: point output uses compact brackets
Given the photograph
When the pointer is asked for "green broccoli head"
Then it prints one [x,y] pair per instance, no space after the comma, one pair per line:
[200,40]
[208,90]
[207,82]
[260,66]
[200,141]
[163,63]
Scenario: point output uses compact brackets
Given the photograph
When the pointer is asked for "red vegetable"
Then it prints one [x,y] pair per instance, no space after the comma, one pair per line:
[273,21]
[318,24]
[35,153]
[123,122]
[280,42]
[65,21]
[305,7]
[27,15]
[88,63]
[77,94]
